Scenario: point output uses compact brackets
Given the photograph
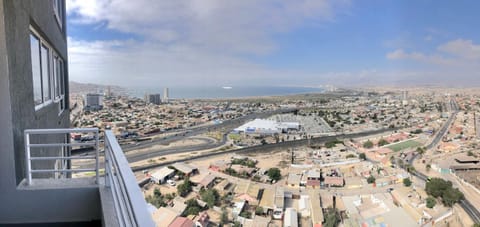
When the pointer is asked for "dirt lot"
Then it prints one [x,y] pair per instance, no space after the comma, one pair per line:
[471,176]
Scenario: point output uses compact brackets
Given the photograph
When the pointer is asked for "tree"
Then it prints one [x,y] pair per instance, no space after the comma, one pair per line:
[382,142]
[362,156]
[184,188]
[210,196]
[436,186]
[421,150]
[157,199]
[274,174]
[368,144]
[431,202]
[245,214]
[410,168]
[428,167]
[331,217]
[259,210]
[407,182]
[451,196]
[371,179]
[350,156]
[193,208]
[156,192]
[224,217]
[440,188]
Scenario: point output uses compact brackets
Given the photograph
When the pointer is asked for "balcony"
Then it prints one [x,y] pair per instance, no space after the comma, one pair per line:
[110,197]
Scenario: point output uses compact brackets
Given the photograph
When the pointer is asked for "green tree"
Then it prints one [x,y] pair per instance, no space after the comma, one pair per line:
[421,150]
[362,156]
[350,156]
[407,182]
[274,174]
[431,202]
[451,196]
[245,214]
[382,142]
[193,208]
[224,217]
[371,179]
[331,218]
[368,144]
[157,199]
[436,186]
[259,210]
[184,188]
[210,196]
[440,188]
[410,168]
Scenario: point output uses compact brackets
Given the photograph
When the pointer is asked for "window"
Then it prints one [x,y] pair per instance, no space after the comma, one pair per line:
[58,11]
[45,65]
[36,73]
[47,72]
[59,87]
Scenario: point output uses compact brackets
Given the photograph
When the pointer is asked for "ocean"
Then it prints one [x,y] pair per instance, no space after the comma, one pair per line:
[220,92]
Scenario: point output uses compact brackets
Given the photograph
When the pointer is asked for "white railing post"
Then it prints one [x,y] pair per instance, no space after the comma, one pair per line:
[97,140]
[108,164]
[27,158]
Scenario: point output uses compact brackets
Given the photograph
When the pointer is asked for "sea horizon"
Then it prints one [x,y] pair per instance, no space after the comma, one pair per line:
[219,92]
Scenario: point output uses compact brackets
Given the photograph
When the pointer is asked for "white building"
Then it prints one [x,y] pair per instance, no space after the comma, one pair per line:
[162,175]
[266,127]
[291,218]
[165,95]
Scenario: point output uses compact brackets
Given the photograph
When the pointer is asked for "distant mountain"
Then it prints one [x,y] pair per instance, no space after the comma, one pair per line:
[81,88]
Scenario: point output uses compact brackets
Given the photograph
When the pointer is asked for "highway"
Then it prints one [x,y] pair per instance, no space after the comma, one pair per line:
[464,203]
[270,147]
[226,126]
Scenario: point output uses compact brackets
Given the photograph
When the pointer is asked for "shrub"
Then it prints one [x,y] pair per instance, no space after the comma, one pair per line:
[431,202]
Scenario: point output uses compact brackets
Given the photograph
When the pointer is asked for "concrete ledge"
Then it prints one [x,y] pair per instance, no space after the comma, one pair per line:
[38,184]
[109,216]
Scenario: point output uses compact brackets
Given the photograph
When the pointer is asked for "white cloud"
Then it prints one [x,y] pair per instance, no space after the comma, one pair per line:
[456,62]
[238,26]
[421,57]
[465,49]
[428,38]
[187,42]
[457,52]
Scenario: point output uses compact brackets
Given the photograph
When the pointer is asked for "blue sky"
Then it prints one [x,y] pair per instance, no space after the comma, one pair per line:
[302,42]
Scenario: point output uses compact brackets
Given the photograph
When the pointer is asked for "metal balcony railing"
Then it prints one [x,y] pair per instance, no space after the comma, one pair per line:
[64,169]
[129,205]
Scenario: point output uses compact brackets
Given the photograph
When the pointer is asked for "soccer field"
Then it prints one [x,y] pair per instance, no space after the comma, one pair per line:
[404,145]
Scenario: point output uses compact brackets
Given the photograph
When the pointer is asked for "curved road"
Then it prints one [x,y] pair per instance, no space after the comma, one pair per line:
[227,125]
[464,203]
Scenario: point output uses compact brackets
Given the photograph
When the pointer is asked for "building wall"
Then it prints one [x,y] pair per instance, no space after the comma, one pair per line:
[17,113]
[17,18]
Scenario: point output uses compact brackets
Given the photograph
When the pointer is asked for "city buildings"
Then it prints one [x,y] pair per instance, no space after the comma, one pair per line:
[166,96]
[153,98]
[93,102]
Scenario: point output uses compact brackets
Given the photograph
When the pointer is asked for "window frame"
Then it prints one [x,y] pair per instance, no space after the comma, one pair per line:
[55,77]
[58,12]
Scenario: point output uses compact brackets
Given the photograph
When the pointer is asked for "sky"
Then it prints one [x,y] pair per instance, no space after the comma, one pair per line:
[276,43]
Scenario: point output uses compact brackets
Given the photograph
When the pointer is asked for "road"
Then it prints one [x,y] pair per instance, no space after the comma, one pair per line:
[226,126]
[272,146]
[464,203]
